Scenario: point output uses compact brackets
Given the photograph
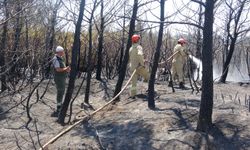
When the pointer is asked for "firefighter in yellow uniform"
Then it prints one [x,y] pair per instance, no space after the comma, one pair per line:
[179,58]
[136,61]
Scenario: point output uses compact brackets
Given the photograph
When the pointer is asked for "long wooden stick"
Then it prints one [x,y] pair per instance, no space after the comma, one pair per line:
[82,119]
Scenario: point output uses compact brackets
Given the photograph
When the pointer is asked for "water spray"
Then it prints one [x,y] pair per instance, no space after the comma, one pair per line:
[198,71]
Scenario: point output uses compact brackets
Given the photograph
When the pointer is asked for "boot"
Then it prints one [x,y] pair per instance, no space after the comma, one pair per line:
[181,85]
[170,84]
[132,97]
[55,114]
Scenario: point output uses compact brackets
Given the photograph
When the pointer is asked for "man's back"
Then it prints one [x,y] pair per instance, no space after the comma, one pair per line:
[136,56]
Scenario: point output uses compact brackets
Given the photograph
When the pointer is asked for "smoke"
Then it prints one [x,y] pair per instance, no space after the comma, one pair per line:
[237,73]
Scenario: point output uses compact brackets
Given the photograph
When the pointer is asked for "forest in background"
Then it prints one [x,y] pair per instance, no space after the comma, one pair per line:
[32,29]
[97,35]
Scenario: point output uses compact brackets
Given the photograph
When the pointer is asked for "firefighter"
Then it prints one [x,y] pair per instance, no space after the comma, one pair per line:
[179,58]
[60,74]
[136,61]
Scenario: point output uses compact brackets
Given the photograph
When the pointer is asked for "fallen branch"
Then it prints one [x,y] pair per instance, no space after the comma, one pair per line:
[46,88]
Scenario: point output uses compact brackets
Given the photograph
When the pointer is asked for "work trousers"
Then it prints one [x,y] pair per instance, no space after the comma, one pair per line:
[141,71]
[177,69]
[60,86]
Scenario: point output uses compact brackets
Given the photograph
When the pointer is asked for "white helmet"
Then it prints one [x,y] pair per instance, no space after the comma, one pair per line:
[59,49]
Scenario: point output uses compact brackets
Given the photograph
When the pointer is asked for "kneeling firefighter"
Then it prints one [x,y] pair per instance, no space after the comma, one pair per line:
[136,59]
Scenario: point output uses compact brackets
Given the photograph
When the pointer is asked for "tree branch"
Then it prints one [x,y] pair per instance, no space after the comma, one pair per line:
[4,21]
[199,2]
[166,22]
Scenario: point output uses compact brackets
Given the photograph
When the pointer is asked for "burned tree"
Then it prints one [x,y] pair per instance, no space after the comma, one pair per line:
[90,65]
[73,73]
[206,106]
[100,46]
[50,38]
[3,47]
[151,94]
[199,42]
[234,28]
[14,73]
[123,68]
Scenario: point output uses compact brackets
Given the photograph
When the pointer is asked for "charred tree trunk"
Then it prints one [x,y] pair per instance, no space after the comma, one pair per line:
[247,62]
[79,58]
[228,60]
[3,47]
[52,29]
[26,34]
[206,106]
[226,43]
[122,71]
[199,42]
[151,100]
[66,50]
[123,40]
[51,38]
[90,65]
[100,46]
[73,73]
[233,37]
[14,74]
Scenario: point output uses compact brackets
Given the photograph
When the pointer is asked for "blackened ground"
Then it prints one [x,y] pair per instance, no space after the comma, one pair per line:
[129,124]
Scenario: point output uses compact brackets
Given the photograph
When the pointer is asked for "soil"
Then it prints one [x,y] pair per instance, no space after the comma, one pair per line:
[128,124]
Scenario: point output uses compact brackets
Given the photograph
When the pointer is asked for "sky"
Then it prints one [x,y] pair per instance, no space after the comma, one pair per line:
[171,7]
[175,10]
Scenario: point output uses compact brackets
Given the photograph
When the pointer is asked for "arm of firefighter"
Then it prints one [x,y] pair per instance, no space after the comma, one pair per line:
[140,56]
[184,52]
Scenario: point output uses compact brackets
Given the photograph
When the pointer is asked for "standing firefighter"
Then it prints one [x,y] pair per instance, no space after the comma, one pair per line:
[179,59]
[136,59]
[60,74]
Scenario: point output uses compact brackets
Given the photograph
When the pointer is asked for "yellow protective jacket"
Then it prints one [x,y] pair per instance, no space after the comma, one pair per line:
[136,56]
[181,55]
